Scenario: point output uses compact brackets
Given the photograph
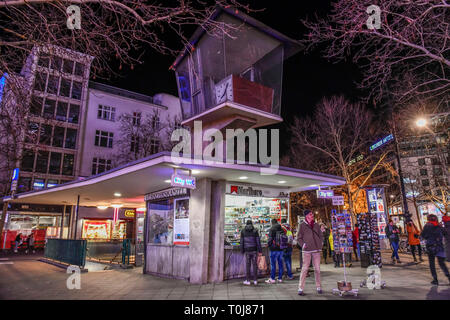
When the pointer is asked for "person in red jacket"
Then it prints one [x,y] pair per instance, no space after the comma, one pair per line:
[355,238]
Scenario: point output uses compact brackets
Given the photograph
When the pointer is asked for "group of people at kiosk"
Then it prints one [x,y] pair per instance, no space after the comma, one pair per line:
[315,240]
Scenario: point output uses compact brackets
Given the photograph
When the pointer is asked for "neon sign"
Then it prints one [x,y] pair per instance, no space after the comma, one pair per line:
[2,85]
[381,142]
[183,181]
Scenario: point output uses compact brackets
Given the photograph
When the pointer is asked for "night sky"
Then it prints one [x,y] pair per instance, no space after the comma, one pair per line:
[306,78]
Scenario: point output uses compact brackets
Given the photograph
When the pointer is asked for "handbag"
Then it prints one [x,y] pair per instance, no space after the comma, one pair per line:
[262,264]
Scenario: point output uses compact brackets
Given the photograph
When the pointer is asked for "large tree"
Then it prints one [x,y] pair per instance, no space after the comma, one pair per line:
[336,140]
[409,53]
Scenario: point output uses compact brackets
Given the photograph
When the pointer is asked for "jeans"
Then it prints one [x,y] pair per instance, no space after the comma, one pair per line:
[276,256]
[394,245]
[413,250]
[441,262]
[287,257]
[356,251]
[307,257]
[250,259]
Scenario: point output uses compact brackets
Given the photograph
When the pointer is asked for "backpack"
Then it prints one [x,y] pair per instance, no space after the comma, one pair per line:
[281,239]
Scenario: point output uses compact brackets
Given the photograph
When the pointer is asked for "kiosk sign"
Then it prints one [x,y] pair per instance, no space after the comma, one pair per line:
[14,180]
[182,181]
[338,200]
[325,194]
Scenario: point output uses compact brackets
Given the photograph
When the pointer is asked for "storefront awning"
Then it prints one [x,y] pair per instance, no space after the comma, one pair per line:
[151,174]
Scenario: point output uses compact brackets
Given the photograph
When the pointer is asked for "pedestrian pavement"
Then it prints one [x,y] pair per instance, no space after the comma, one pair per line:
[31,279]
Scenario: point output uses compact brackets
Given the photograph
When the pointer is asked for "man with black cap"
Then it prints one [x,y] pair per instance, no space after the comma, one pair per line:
[250,246]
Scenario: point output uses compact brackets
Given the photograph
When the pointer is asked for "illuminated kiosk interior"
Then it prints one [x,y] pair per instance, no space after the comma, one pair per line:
[191,230]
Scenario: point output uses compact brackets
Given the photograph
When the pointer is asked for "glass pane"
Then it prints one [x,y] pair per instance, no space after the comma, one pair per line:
[55,163]
[49,108]
[104,139]
[68,164]
[79,69]
[24,184]
[44,60]
[52,86]
[58,137]
[51,182]
[61,111]
[56,63]
[38,184]
[45,134]
[65,88]
[71,138]
[36,106]
[68,66]
[160,222]
[32,133]
[73,113]
[76,90]
[42,161]
[27,160]
[39,81]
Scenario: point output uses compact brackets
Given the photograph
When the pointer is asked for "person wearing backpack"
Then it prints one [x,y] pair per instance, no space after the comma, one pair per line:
[276,253]
[250,246]
[286,244]
[310,238]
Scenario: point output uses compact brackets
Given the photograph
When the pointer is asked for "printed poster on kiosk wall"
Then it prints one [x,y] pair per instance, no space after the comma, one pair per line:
[181,222]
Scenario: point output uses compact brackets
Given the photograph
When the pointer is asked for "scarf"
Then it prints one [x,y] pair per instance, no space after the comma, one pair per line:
[311,224]
[434,223]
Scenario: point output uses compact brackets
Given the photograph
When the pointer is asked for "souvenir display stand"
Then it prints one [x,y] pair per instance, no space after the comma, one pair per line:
[342,242]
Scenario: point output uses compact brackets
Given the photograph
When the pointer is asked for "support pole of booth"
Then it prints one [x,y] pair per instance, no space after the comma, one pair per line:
[199,227]
[61,231]
[76,218]
[2,221]
[217,234]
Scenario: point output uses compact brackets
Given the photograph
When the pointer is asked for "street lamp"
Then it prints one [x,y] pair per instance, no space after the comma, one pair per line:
[421,122]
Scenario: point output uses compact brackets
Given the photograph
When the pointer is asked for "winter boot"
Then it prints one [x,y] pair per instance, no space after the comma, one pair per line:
[435,282]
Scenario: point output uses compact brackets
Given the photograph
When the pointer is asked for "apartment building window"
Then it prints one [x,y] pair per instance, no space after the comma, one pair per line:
[44,60]
[27,160]
[425,182]
[79,69]
[76,90]
[136,118]
[68,66]
[38,184]
[421,161]
[423,172]
[437,171]
[106,112]
[65,88]
[58,137]
[49,108]
[74,112]
[52,183]
[134,144]
[24,184]
[100,165]
[33,131]
[435,161]
[154,146]
[42,161]
[56,63]
[39,81]
[61,111]
[53,84]
[68,161]
[55,163]
[71,138]
[45,135]
[36,105]
[155,123]
[104,138]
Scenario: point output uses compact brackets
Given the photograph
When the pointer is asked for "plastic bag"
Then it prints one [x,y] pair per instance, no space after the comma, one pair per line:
[262,264]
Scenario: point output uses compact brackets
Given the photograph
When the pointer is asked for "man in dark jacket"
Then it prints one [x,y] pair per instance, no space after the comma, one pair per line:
[392,233]
[433,234]
[250,246]
[287,252]
[276,253]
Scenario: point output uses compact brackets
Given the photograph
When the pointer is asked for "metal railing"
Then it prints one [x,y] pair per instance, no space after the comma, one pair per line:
[68,251]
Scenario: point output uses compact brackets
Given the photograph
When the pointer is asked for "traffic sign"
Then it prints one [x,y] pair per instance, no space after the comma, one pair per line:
[338,200]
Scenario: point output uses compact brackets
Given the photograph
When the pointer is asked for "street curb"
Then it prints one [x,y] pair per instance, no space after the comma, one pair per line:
[60,264]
